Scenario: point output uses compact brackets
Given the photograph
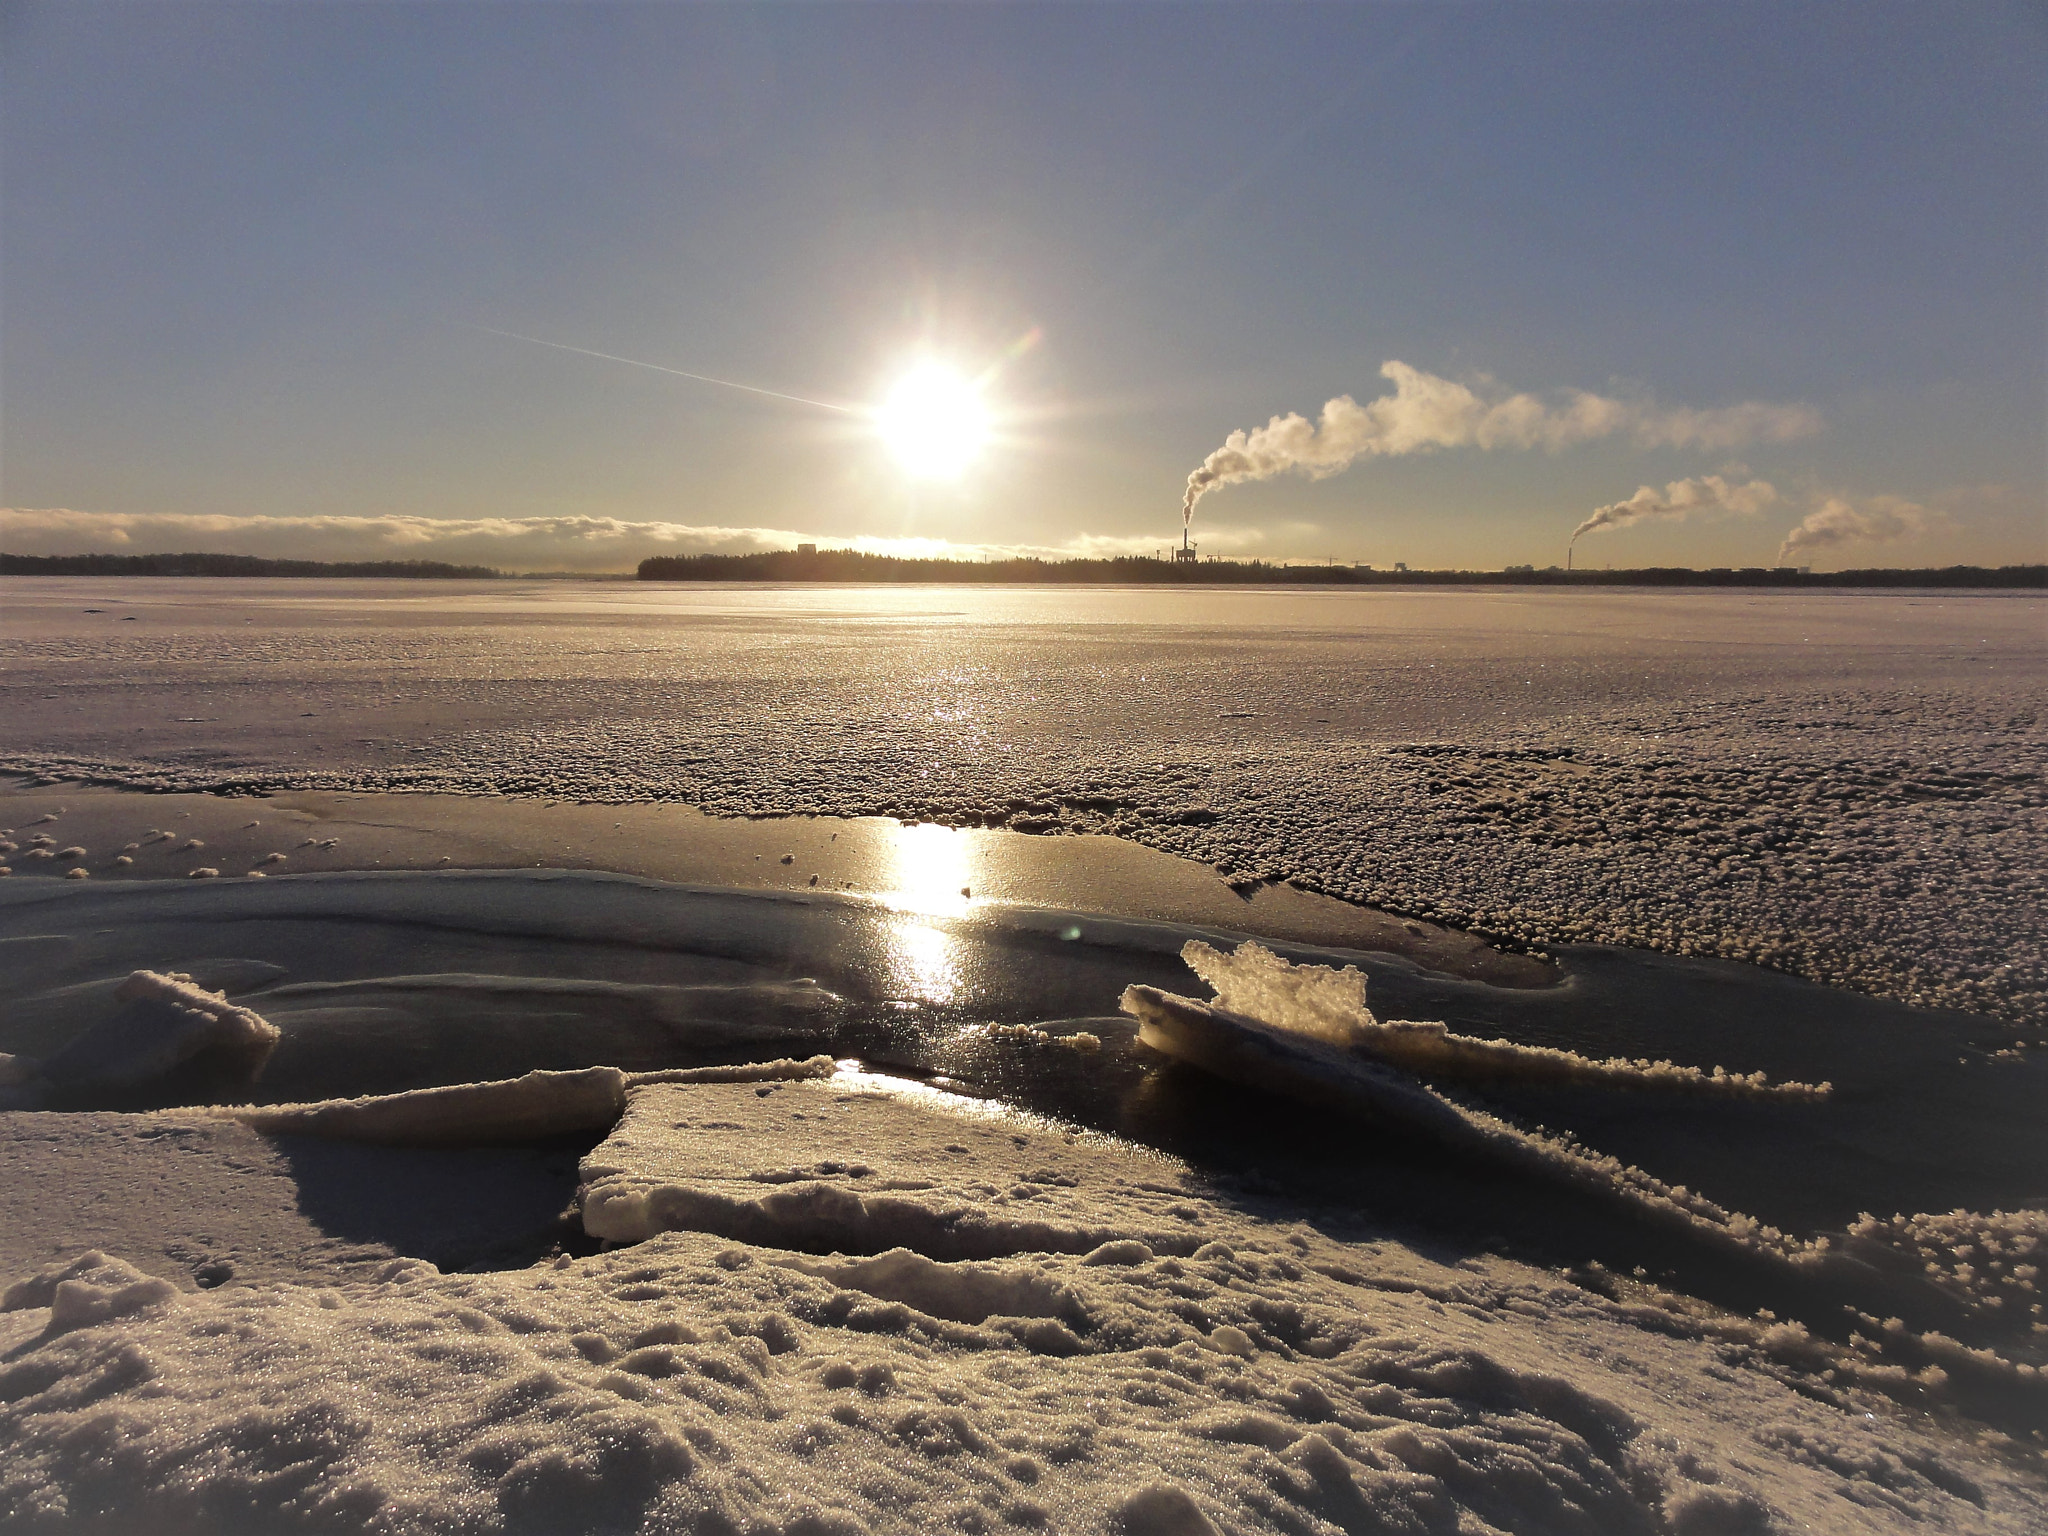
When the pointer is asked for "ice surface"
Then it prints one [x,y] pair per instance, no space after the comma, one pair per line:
[1275,1378]
[1845,786]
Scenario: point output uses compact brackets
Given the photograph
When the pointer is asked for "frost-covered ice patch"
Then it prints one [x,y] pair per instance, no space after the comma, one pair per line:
[1868,836]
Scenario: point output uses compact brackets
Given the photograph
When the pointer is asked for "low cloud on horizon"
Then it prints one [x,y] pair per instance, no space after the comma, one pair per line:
[590,544]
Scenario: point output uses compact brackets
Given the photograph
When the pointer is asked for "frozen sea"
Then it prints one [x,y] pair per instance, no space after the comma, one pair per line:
[513,827]
[1845,786]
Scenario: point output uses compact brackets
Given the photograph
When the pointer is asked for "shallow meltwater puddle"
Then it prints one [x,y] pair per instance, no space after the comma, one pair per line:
[921,870]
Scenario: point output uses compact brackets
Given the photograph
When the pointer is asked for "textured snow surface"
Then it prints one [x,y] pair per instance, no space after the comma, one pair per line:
[1849,787]
[1268,1376]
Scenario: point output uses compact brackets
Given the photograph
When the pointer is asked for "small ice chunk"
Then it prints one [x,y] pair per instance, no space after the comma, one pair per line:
[203,872]
[163,1022]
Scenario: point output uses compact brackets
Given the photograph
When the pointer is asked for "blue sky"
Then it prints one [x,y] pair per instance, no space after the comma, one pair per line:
[247,249]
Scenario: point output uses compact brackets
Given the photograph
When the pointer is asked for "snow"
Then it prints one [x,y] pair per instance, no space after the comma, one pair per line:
[1275,1376]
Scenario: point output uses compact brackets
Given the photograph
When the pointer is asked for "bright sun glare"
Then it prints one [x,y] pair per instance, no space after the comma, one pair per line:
[934,421]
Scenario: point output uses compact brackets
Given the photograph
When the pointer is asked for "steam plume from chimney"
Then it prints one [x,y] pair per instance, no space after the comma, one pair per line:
[1681,499]
[1426,412]
[1836,521]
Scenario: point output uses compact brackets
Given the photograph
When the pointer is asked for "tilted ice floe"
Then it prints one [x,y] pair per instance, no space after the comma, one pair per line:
[535,1107]
[1329,1005]
[1305,1032]
[161,1023]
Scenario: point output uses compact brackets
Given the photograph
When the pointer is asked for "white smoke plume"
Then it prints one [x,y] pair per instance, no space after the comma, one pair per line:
[1426,412]
[594,544]
[1879,520]
[1682,499]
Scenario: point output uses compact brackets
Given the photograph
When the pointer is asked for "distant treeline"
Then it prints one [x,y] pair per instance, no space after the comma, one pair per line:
[228,565]
[854,566]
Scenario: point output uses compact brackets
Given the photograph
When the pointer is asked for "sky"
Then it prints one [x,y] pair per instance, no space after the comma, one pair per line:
[1735,284]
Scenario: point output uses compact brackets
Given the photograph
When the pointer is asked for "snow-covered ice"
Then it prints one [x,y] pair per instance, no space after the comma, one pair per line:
[1848,786]
[546,1212]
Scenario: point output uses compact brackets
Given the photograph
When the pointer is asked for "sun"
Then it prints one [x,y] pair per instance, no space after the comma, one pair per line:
[934,421]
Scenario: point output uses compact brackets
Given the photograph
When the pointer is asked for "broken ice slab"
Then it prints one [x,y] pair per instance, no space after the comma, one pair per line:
[859,1165]
[384,1034]
[160,1022]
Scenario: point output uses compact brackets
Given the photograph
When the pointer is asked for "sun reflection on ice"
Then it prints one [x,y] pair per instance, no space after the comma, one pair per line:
[926,877]
[927,871]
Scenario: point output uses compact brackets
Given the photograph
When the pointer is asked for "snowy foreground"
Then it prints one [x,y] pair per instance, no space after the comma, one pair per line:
[1121,1351]
[833,1302]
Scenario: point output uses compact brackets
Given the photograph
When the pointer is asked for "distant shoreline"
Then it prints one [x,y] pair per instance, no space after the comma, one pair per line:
[852,567]
[234,565]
